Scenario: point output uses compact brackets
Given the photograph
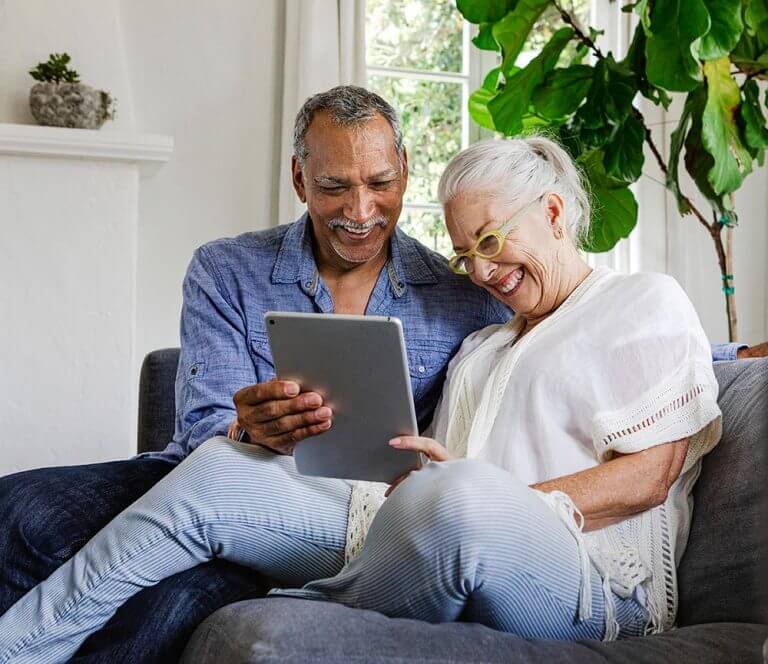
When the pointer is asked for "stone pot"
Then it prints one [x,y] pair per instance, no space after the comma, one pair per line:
[70,105]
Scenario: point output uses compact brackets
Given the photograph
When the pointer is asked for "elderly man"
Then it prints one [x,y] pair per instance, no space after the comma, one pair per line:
[345,255]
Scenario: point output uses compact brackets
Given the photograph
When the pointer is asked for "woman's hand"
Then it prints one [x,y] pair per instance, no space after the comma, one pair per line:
[430,448]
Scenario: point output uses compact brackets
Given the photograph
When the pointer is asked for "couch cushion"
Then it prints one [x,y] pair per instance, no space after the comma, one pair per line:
[295,630]
[721,573]
[157,410]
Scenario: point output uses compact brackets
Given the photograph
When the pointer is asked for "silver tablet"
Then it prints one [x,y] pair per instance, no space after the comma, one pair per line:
[358,364]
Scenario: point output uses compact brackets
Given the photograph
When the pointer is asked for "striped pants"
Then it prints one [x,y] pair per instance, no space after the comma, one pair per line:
[457,540]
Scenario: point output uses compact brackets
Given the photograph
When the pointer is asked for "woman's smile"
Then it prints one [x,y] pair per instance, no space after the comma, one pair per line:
[510,283]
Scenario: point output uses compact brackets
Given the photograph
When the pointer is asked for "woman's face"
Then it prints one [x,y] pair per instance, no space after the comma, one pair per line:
[526,275]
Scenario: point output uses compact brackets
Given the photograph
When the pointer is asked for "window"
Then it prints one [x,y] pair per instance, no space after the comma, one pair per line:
[420,58]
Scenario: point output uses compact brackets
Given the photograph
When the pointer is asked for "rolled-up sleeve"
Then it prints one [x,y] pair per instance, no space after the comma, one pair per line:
[214,361]
[722,352]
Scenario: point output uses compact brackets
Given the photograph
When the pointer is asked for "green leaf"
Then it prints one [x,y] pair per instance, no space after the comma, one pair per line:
[478,108]
[676,145]
[484,11]
[609,100]
[562,91]
[614,208]
[720,131]
[725,30]
[676,26]
[635,61]
[753,121]
[624,152]
[478,100]
[484,39]
[509,106]
[756,18]
[643,10]
[698,162]
[512,31]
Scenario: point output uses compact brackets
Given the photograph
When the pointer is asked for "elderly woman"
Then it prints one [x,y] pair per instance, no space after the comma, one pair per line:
[563,453]
[568,440]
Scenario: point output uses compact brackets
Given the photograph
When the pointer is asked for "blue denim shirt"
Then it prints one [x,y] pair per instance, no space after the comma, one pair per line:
[231,283]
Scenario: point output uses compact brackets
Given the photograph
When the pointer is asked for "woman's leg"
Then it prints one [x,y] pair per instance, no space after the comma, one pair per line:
[227,500]
[465,540]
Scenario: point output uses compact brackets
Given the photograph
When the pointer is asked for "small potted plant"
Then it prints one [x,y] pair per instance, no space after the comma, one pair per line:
[60,100]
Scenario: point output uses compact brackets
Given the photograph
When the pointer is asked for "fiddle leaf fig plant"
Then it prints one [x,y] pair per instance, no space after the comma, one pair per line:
[711,51]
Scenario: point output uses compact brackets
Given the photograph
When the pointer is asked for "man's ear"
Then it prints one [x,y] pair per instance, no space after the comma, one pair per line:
[405,169]
[297,176]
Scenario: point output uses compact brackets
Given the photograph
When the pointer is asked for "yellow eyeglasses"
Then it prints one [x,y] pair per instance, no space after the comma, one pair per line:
[489,245]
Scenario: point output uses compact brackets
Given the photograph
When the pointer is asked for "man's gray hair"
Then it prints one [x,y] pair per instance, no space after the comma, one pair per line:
[347,105]
[521,169]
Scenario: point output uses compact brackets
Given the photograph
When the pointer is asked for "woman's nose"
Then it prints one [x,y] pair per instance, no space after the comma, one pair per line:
[484,268]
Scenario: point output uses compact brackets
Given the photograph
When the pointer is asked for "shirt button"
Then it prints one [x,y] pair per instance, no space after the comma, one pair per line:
[308,284]
[422,369]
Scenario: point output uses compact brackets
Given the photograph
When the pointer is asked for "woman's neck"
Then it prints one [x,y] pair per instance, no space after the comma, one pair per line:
[567,281]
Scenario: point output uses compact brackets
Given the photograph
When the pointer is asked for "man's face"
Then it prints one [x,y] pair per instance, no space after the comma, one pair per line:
[353,185]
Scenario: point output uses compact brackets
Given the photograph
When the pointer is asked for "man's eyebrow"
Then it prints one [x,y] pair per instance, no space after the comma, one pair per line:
[329,181]
[333,181]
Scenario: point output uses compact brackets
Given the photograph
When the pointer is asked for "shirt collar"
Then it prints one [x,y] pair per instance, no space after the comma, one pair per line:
[408,264]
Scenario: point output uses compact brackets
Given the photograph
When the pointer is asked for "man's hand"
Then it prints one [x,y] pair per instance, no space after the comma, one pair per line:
[761,350]
[276,415]
[427,446]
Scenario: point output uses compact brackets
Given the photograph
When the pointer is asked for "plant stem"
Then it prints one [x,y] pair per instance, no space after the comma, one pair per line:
[583,38]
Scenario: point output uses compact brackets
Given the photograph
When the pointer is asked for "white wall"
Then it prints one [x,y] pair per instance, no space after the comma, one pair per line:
[207,74]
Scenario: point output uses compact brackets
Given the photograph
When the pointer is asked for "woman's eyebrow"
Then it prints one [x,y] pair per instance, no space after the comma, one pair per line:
[478,233]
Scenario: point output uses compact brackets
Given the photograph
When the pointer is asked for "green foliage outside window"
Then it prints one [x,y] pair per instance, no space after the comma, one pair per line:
[711,50]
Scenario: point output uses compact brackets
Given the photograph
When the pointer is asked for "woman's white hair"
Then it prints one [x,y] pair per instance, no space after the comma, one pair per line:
[520,169]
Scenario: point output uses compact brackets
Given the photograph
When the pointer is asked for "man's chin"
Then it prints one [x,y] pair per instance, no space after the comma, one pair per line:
[357,255]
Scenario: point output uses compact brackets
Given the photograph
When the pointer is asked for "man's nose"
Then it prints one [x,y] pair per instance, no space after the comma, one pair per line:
[360,204]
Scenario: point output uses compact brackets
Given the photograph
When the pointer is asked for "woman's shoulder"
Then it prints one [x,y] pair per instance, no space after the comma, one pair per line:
[653,292]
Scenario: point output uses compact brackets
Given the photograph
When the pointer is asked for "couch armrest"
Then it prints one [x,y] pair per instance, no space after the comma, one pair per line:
[157,400]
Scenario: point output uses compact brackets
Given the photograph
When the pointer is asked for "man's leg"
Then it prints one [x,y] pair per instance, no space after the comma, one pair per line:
[48,514]
[227,500]
[465,540]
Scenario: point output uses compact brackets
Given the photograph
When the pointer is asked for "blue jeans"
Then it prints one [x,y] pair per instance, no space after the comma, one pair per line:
[457,540]
[47,515]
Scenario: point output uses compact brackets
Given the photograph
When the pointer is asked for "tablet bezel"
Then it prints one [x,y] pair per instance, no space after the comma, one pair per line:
[339,356]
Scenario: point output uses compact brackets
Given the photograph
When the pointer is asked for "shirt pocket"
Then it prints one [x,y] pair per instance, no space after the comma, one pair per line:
[262,357]
[427,363]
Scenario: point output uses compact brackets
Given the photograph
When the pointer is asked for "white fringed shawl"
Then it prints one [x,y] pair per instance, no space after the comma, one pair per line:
[622,365]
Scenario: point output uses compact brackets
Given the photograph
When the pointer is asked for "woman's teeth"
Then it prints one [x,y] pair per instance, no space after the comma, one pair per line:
[511,281]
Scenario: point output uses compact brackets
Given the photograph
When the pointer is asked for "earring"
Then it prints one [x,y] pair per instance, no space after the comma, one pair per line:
[559,232]
[560,255]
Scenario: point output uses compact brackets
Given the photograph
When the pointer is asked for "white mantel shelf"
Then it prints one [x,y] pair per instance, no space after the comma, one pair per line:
[147,151]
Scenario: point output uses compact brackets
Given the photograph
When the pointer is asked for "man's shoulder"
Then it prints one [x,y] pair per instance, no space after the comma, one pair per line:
[267,241]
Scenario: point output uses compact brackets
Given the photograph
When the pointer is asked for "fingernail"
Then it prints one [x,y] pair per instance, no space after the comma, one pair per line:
[395,442]
[291,389]
[324,412]
[313,401]
[325,425]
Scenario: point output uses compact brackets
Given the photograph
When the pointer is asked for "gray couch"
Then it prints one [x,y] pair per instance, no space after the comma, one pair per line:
[722,615]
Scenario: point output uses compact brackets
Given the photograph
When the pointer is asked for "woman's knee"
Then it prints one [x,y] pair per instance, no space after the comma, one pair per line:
[461,496]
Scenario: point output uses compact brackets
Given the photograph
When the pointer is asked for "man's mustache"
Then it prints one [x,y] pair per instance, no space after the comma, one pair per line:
[342,222]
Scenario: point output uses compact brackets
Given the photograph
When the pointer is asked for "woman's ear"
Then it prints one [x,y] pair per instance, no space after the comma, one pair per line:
[555,208]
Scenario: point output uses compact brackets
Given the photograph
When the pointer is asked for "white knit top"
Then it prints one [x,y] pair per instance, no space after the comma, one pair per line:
[622,365]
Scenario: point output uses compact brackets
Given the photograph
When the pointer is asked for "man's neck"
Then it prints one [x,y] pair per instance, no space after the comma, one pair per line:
[351,285]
